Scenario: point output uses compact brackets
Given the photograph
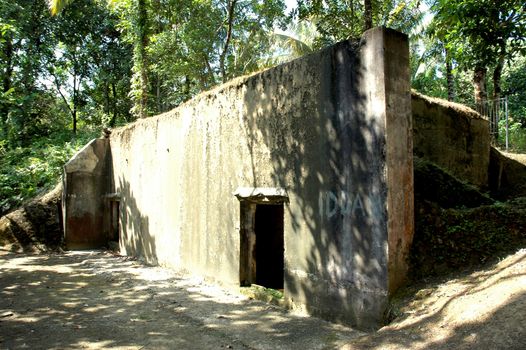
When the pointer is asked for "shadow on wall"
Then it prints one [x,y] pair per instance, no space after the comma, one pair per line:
[329,154]
[135,236]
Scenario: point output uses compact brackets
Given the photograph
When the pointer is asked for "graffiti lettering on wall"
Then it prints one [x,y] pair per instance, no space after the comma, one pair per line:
[342,202]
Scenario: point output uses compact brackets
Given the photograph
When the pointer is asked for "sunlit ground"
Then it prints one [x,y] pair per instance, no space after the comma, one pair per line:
[93,300]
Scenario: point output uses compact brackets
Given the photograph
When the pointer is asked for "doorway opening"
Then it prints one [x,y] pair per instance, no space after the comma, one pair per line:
[262,260]
[111,219]
[114,220]
[270,250]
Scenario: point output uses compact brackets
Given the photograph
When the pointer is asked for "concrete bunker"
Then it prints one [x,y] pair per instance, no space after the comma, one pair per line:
[317,151]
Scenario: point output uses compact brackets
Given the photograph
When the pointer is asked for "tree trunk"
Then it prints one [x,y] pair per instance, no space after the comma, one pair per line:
[74,109]
[74,113]
[158,94]
[6,83]
[106,98]
[8,52]
[479,85]
[368,14]
[222,57]
[113,119]
[141,61]
[186,91]
[450,78]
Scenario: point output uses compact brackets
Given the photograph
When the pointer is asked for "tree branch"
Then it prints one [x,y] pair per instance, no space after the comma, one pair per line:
[57,85]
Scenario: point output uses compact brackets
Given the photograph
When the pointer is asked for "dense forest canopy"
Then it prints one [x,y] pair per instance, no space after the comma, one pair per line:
[70,67]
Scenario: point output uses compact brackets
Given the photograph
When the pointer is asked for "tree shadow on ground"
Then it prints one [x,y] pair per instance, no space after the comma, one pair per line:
[483,310]
[93,299]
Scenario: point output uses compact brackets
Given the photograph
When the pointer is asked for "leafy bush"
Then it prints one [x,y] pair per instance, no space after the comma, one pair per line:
[28,171]
[516,136]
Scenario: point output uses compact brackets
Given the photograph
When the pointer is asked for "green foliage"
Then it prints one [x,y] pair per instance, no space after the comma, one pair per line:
[338,20]
[516,136]
[480,36]
[479,31]
[429,78]
[204,43]
[514,87]
[27,171]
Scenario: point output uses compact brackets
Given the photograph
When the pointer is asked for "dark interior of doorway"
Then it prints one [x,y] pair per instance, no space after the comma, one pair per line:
[268,228]
[262,245]
[114,221]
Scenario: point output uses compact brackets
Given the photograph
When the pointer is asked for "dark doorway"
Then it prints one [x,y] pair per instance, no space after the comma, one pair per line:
[268,228]
[114,220]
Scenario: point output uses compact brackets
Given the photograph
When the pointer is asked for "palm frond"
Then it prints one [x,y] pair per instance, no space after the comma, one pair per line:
[56,6]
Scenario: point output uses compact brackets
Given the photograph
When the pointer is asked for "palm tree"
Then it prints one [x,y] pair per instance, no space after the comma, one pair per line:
[55,6]
[296,42]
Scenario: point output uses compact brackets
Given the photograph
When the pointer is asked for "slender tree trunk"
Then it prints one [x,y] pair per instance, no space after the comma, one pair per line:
[141,60]
[158,94]
[113,119]
[106,98]
[210,73]
[8,53]
[143,18]
[74,109]
[186,91]
[6,83]
[450,78]
[230,23]
[368,14]
[74,120]
[479,85]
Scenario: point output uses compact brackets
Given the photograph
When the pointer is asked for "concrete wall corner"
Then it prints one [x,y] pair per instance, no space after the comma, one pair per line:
[387,63]
[86,179]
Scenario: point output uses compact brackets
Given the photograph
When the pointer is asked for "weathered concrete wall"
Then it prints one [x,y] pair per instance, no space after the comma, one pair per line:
[87,179]
[327,136]
[507,176]
[332,129]
[453,136]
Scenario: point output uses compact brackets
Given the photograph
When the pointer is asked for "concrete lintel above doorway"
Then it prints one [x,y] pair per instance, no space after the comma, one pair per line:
[262,194]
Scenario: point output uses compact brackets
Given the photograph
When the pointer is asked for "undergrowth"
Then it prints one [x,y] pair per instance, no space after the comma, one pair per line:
[447,240]
[458,227]
[516,136]
[28,171]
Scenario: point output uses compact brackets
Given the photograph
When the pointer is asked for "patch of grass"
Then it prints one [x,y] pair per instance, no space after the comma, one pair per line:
[268,295]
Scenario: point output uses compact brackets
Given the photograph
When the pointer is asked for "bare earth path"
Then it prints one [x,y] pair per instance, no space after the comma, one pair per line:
[94,300]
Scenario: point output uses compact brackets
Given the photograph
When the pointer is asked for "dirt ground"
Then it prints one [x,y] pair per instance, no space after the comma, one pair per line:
[95,300]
